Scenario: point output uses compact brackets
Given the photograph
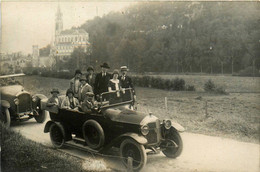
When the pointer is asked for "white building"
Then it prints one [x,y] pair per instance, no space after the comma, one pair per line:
[66,40]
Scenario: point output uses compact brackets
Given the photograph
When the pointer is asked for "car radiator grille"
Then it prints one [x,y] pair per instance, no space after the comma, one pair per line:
[25,104]
[154,132]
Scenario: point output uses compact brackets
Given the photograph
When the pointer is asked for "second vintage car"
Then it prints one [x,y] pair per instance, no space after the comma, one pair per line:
[115,124]
[18,104]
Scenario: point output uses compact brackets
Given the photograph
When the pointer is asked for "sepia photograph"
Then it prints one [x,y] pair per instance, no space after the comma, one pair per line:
[129,86]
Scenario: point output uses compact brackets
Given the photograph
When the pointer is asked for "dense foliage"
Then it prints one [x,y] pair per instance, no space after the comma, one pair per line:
[212,37]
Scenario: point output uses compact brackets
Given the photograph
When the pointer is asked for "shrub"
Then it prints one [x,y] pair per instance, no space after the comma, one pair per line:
[35,72]
[190,88]
[178,84]
[220,90]
[209,86]
[249,71]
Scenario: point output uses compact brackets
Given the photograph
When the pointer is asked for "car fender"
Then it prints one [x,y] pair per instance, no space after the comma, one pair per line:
[177,126]
[5,104]
[39,98]
[48,126]
[138,138]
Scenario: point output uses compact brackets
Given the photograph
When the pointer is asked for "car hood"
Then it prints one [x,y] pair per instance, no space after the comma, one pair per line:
[11,90]
[126,115]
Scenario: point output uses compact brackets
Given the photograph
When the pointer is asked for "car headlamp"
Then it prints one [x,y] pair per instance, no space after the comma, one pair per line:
[145,130]
[167,124]
[16,101]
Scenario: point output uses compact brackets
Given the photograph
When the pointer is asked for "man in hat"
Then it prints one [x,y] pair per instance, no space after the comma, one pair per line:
[126,81]
[54,100]
[91,76]
[101,80]
[89,104]
[75,83]
[84,88]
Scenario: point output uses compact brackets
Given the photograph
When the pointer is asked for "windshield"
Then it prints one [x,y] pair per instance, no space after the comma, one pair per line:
[123,96]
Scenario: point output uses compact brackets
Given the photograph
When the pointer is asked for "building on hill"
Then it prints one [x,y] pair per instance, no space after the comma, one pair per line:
[66,40]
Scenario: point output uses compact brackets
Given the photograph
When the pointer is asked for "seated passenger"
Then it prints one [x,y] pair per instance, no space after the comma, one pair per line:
[54,100]
[89,104]
[70,102]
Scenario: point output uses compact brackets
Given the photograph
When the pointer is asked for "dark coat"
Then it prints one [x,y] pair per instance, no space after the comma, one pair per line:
[101,83]
[126,83]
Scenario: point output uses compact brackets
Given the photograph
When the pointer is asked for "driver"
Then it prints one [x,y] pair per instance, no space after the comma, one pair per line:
[89,103]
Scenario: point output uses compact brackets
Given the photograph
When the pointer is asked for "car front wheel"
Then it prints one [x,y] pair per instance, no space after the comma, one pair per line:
[57,136]
[130,148]
[172,146]
[40,115]
[5,116]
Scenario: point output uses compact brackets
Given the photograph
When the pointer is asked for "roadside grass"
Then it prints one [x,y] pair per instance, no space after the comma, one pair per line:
[236,115]
[21,154]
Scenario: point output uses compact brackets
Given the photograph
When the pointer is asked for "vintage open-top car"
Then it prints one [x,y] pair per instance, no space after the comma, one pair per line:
[18,104]
[115,124]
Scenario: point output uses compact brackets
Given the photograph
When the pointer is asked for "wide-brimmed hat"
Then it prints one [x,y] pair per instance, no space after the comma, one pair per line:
[124,68]
[90,94]
[69,91]
[55,90]
[78,72]
[83,78]
[90,68]
[115,72]
[105,65]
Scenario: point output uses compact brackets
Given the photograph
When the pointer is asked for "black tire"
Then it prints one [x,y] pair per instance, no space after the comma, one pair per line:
[131,148]
[40,115]
[93,134]
[173,145]
[57,136]
[5,116]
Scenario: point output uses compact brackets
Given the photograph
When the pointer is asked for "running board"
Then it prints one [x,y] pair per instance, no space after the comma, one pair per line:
[79,143]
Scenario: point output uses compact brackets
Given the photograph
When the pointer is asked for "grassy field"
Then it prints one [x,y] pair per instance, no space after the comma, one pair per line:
[236,115]
[23,155]
[233,84]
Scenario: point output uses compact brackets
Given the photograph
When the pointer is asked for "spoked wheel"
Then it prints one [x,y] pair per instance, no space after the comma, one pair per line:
[172,145]
[57,136]
[93,134]
[5,116]
[130,148]
[40,115]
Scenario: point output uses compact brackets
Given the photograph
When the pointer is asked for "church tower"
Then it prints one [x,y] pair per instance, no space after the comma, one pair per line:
[58,22]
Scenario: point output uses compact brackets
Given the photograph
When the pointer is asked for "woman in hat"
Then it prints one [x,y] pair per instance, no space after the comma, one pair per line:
[101,81]
[114,85]
[54,100]
[91,76]
[75,83]
[70,102]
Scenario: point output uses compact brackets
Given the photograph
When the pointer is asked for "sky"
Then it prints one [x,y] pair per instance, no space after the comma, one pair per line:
[32,23]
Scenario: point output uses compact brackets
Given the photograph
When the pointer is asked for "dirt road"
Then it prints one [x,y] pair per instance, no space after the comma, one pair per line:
[201,153]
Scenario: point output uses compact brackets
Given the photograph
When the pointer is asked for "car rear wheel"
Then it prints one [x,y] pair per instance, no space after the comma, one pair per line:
[172,145]
[130,148]
[93,134]
[5,116]
[57,136]
[40,115]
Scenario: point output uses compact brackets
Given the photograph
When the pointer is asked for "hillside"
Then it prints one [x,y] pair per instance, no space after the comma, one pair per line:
[208,37]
